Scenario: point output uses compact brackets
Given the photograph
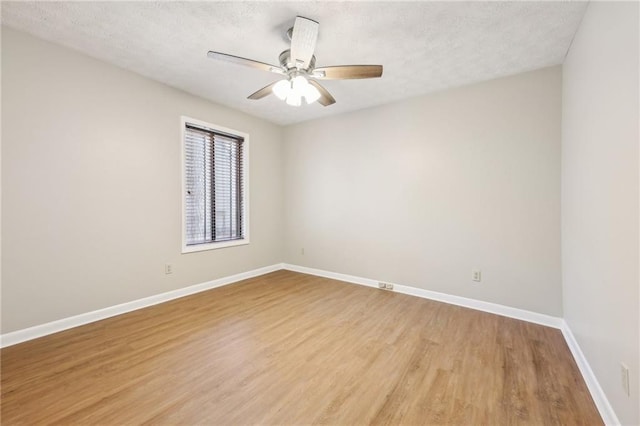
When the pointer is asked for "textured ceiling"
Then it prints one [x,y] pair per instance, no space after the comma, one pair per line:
[423,46]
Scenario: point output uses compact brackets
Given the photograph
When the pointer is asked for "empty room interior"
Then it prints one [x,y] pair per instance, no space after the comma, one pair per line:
[320,213]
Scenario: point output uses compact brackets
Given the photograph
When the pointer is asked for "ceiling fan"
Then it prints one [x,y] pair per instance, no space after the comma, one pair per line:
[298,66]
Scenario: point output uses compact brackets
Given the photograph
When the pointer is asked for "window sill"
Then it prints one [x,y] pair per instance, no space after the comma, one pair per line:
[214,246]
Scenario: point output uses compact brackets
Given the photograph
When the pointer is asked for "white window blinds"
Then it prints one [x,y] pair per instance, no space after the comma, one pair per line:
[214,187]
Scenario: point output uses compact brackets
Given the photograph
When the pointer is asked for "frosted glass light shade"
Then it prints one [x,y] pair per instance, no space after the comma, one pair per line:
[311,94]
[282,89]
[294,99]
[299,84]
[292,91]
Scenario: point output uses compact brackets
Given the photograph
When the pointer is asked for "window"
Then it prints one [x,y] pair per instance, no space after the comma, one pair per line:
[214,186]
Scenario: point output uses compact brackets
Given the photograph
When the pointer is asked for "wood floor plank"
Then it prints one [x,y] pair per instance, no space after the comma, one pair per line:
[290,348]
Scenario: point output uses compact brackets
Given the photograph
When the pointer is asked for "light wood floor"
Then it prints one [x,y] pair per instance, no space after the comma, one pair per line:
[288,348]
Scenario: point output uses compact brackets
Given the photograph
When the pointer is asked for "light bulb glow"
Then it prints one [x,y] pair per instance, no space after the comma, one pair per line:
[311,94]
[299,84]
[282,89]
[292,91]
[294,99]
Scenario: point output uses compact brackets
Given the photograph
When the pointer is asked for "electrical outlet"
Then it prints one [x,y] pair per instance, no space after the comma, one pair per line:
[624,376]
[382,285]
[168,269]
[476,275]
[389,286]
[385,286]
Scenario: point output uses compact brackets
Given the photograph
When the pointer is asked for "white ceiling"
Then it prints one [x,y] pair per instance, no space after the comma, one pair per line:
[423,46]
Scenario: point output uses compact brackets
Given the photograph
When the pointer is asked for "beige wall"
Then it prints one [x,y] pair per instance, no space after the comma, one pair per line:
[421,191]
[600,197]
[91,189]
[91,207]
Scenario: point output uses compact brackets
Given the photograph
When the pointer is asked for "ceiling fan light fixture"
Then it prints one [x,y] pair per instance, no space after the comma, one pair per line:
[294,99]
[282,89]
[299,83]
[300,87]
[292,91]
[298,65]
[311,94]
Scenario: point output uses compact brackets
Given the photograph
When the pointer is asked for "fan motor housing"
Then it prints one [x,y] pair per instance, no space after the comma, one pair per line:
[288,64]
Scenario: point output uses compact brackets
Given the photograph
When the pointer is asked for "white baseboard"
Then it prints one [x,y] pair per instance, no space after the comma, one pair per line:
[598,395]
[333,275]
[599,398]
[494,308]
[30,333]
[23,335]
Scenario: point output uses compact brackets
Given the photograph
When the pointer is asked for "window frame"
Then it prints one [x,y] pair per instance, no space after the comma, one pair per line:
[184,120]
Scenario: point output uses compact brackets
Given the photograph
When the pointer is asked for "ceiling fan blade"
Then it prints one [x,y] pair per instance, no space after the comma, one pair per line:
[244,61]
[346,72]
[303,41]
[265,91]
[325,97]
